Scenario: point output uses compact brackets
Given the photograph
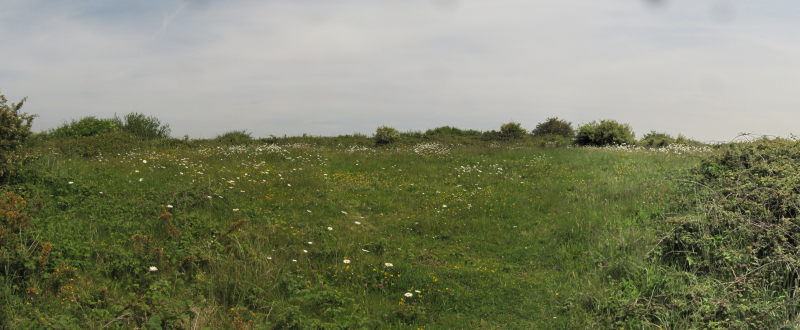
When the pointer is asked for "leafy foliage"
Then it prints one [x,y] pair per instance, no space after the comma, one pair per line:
[15,129]
[554,126]
[235,137]
[606,132]
[87,126]
[512,131]
[386,135]
[143,126]
[656,140]
[735,263]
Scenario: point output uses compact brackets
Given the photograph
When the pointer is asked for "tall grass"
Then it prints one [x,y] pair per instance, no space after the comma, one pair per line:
[307,233]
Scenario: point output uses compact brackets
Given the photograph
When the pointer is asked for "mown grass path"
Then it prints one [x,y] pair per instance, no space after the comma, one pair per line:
[304,236]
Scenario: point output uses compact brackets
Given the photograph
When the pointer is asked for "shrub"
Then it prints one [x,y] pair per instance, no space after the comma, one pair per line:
[451,131]
[607,132]
[235,137]
[386,135]
[656,140]
[554,126]
[512,131]
[87,126]
[143,126]
[15,128]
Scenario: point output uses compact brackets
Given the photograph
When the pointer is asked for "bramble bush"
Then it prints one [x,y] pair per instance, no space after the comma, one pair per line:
[554,126]
[737,256]
[386,135]
[606,132]
[15,129]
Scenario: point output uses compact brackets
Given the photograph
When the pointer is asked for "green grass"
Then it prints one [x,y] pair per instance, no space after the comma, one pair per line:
[482,236]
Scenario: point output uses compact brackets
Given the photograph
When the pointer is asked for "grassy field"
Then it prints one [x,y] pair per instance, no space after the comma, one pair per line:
[302,235]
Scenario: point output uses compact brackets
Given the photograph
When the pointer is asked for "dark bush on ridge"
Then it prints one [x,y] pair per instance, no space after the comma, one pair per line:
[87,126]
[554,126]
[512,131]
[386,135]
[451,131]
[235,137]
[143,126]
[656,140]
[606,132]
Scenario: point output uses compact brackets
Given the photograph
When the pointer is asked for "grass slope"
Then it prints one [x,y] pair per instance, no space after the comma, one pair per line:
[299,235]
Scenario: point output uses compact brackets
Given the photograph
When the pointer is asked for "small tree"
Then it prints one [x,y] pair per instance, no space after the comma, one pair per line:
[386,135]
[512,131]
[554,126]
[607,132]
[15,128]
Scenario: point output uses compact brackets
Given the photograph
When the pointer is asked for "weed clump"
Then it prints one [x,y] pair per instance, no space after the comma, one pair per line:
[386,135]
[606,132]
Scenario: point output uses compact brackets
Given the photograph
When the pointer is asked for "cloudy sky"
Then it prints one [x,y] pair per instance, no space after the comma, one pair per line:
[706,68]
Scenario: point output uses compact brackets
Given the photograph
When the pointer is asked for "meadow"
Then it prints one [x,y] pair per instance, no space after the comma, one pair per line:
[331,233]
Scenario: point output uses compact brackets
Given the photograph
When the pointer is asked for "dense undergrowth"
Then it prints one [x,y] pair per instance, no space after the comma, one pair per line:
[733,261]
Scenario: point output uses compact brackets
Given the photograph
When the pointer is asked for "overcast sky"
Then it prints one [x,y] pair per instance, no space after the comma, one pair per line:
[707,69]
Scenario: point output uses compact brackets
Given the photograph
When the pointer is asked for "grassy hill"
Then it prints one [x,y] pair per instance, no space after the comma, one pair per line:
[314,232]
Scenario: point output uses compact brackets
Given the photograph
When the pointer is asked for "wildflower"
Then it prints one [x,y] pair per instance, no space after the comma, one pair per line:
[343,212]
[417,291]
[169,206]
[294,260]
[357,222]
[269,258]
[309,211]
[141,179]
[235,210]
[346,261]
[152,269]
[289,184]
[330,228]
[305,251]
[310,242]
[365,250]
[388,264]
[70,182]
[144,161]
[408,294]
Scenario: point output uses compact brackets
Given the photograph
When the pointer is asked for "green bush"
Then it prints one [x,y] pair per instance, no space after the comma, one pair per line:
[386,135]
[512,131]
[451,131]
[235,137]
[15,129]
[87,126]
[554,126]
[143,126]
[656,140]
[606,132]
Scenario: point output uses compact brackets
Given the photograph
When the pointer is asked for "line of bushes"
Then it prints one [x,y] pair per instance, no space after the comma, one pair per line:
[552,132]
